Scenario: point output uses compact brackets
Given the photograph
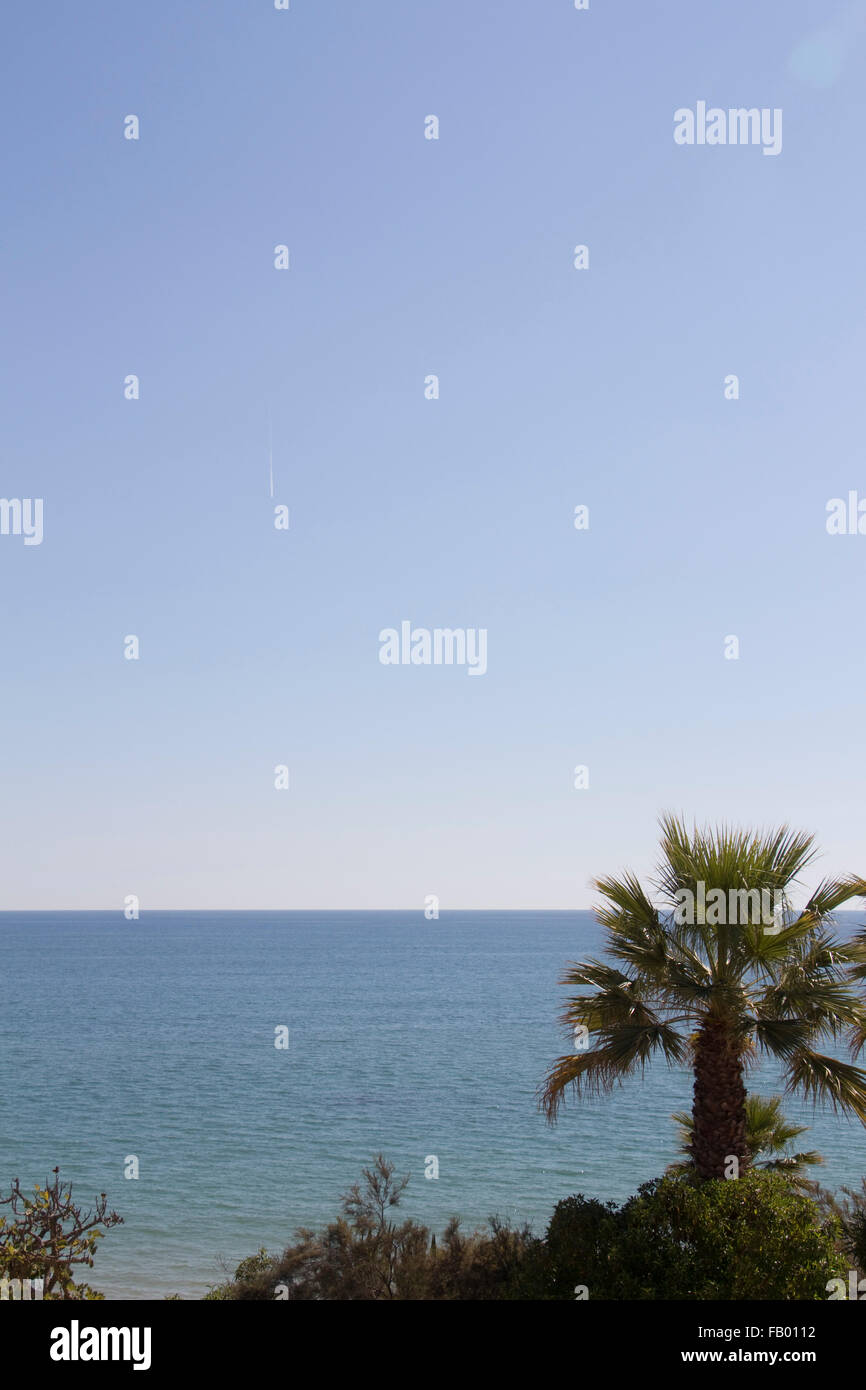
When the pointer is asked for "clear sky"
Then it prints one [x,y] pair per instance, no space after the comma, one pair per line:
[557,387]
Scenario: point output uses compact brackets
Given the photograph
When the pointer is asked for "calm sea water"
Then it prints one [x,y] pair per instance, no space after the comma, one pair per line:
[416,1038]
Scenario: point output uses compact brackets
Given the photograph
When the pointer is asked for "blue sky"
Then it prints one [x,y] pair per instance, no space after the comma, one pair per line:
[558,387]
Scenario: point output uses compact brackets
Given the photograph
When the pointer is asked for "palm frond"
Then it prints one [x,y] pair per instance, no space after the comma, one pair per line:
[619,1052]
[828,1079]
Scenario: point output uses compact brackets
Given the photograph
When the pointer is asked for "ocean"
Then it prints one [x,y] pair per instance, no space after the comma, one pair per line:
[155,1040]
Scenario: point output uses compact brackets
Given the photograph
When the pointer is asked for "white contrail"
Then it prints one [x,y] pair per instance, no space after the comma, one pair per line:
[271,452]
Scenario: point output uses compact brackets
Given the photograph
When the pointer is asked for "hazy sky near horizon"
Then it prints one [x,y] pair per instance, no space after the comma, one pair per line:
[558,387]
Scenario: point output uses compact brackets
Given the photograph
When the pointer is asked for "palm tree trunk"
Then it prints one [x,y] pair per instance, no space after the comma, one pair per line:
[719,1108]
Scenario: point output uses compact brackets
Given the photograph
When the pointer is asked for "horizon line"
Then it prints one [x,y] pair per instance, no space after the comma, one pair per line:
[6,910]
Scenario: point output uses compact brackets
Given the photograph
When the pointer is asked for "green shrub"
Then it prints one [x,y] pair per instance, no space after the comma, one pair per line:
[753,1237]
[580,1238]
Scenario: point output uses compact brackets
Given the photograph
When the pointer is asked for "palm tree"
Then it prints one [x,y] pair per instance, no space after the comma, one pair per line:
[714,993]
[768,1135]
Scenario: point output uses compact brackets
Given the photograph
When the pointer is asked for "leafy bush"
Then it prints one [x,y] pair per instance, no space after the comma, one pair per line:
[580,1237]
[753,1237]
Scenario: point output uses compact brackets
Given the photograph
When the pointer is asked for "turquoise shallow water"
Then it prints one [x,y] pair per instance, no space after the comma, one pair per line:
[416,1038]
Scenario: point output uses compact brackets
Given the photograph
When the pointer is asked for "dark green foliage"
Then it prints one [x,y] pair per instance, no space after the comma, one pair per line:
[580,1237]
[849,1209]
[854,1226]
[753,1237]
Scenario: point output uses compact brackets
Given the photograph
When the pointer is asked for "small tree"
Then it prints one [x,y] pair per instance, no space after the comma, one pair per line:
[362,1255]
[697,975]
[49,1234]
[768,1135]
